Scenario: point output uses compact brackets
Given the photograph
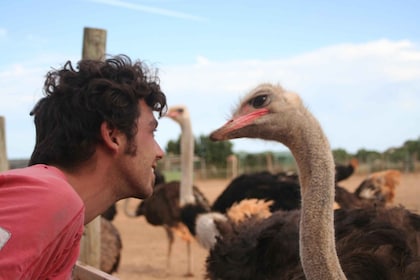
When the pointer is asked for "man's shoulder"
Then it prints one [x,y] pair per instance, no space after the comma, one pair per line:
[36,180]
[39,190]
[39,211]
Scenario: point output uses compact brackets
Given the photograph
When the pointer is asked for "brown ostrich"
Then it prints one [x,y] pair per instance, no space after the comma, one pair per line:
[372,243]
[377,190]
[380,186]
[163,209]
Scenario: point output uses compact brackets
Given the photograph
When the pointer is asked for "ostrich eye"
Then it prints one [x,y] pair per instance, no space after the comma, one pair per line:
[259,101]
[180,110]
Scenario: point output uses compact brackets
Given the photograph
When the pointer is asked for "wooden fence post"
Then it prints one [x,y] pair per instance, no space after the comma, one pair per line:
[232,163]
[94,43]
[269,161]
[4,162]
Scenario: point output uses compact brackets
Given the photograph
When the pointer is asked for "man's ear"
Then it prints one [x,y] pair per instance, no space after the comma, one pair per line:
[110,136]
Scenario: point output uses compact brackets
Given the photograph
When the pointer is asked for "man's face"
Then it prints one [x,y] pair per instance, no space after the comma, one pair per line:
[142,154]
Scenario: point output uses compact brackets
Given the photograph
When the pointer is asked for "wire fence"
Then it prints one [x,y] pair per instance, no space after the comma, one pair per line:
[171,167]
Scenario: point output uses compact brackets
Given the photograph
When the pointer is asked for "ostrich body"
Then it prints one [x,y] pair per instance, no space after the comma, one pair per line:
[371,244]
[283,190]
[268,112]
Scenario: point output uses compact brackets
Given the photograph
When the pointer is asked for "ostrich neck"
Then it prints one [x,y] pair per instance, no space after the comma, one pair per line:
[187,160]
[314,159]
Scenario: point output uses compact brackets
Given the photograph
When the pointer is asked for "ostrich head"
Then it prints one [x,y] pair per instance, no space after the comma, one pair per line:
[179,114]
[253,118]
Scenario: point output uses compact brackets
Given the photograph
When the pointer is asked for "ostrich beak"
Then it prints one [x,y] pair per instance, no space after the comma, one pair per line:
[226,131]
[170,114]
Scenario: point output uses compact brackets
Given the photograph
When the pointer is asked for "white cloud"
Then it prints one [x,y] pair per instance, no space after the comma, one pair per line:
[362,93]
[18,83]
[336,65]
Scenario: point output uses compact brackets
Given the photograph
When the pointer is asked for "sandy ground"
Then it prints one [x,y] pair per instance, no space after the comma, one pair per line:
[145,246]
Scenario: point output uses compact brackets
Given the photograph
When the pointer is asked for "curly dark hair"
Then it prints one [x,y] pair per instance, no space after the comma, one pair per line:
[78,101]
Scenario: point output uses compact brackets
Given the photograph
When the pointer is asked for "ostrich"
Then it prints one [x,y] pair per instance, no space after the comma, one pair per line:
[317,200]
[259,250]
[378,189]
[380,186]
[186,191]
[163,209]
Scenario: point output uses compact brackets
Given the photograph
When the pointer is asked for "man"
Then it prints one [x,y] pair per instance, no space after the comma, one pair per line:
[94,146]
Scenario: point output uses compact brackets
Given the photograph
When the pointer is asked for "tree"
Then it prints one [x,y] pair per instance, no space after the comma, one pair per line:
[214,153]
[341,155]
[366,156]
[413,148]
[174,146]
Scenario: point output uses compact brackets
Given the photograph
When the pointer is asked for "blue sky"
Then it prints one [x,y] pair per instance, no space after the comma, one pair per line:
[356,64]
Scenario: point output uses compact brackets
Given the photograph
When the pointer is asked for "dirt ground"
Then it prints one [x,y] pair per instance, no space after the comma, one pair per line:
[145,246]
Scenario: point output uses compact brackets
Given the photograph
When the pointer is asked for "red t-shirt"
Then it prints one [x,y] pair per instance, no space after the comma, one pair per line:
[41,223]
